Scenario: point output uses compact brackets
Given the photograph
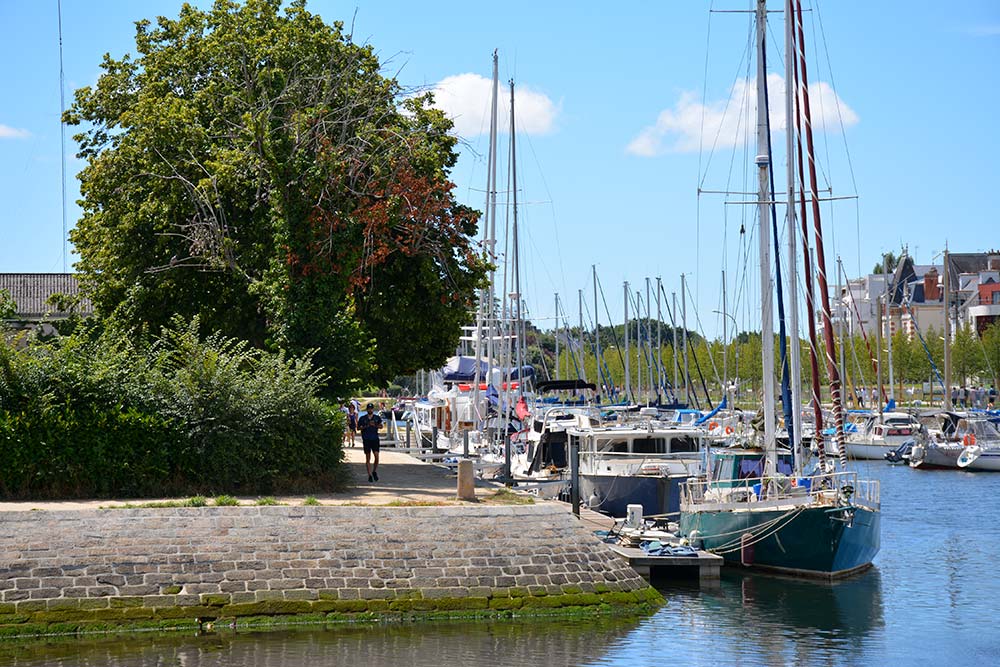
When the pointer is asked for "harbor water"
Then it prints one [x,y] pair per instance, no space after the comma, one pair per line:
[931,599]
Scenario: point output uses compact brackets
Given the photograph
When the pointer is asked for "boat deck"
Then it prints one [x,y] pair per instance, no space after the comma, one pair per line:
[705,566]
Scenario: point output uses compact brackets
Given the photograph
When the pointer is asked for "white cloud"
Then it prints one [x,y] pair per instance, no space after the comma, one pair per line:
[7,132]
[690,125]
[465,98]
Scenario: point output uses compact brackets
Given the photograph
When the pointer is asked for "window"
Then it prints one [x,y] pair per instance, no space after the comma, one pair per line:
[684,443]
[649,446]
[751,468]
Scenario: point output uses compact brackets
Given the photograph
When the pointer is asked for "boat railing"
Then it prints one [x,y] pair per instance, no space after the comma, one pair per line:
[843,486]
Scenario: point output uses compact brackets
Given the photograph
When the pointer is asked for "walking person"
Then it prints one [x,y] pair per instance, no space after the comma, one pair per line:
[352,421]
[370,423]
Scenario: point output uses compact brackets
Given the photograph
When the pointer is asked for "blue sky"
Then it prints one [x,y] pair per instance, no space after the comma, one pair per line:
[612,103]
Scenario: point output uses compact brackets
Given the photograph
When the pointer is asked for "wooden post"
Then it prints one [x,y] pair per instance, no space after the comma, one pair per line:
[574,473]
[465,444]
[409,425]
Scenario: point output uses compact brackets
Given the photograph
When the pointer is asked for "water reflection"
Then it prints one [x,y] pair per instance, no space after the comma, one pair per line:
[439,645]
[761,619]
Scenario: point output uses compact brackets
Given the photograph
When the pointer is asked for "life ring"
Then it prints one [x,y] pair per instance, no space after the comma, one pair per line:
[713,425]
[969,439]
[730,430]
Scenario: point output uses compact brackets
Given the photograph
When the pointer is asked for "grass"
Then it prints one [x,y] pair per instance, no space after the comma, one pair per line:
[311,501]
[508,497]
[226,501]
[267,500]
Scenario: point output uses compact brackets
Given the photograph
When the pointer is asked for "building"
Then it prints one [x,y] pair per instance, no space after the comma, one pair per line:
[34,298]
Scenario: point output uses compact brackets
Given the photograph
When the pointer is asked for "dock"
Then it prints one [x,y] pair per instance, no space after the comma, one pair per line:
[705,566]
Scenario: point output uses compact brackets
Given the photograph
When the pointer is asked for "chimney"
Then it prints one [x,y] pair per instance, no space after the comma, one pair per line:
[993,262]
[932,292]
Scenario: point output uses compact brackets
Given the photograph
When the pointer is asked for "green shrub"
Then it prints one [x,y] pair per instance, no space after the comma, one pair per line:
[226,501]
[310,500]
[266,501]
[102,413]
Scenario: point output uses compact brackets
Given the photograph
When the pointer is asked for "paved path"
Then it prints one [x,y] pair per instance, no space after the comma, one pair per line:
[402,480]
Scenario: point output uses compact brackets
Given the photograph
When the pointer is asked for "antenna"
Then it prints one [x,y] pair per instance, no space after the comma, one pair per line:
[62,132]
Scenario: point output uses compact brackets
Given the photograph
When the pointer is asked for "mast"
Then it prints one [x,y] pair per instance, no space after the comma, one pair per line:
[807,266]
[659,343]
[684,340]
[517,260]
[725,342]
[638,348]
[583,367]
[628,377]
[597,336]
[486,294]
[832,370]
[795,368]
[878,340]
[888,323]
[649,345]
[556,329]
[947,332]
[763,161]
[673,343]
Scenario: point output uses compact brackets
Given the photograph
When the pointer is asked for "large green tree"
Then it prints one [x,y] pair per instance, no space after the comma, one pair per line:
[252,166]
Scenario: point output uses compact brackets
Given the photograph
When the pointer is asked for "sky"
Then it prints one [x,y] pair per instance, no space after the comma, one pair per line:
[623,111]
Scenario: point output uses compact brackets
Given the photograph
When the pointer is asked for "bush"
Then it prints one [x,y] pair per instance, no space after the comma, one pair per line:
[105,414]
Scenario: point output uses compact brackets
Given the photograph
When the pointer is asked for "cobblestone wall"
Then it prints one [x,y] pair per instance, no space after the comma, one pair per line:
[182,563]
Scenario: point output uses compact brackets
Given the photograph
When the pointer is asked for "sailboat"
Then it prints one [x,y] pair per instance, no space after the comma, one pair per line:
[757,506]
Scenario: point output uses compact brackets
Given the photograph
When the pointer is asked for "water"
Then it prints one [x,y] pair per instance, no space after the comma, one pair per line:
[931,599]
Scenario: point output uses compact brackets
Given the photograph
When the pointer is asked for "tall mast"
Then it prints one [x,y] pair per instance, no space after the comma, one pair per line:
[556,329]
[725,342]
[831,365]
[583,367]
[763,161]
[888,322]
[597,335]
[659,343]
[628,376]
[684,340]
[649,345]
[673,343]
[947,331]
[517,260]
[487,294]
[795,368]
[638,348]
[807,266]
[878,340]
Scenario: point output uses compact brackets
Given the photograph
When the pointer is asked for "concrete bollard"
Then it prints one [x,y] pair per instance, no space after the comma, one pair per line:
[466,480]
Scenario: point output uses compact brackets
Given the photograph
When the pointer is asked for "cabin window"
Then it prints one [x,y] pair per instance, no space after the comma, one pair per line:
[649,446]
[784,467]
[684,444]
[618,446]
[751,468]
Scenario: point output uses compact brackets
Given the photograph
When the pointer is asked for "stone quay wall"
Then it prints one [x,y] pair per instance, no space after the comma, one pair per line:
[68,571]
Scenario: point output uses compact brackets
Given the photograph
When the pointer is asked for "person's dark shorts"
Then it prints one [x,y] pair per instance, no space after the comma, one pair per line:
[370,445]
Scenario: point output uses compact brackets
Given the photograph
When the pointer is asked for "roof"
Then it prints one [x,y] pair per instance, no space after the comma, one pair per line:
[31,292]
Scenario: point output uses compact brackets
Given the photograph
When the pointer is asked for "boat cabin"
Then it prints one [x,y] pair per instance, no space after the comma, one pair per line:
[732,468]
